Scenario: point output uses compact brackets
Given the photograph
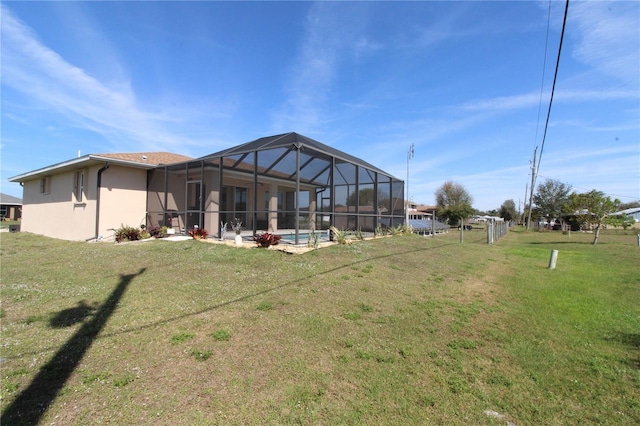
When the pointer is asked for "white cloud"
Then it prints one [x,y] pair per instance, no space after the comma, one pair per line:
[609,37]
[310,76]
[504,102]
[528,100]
[31,68]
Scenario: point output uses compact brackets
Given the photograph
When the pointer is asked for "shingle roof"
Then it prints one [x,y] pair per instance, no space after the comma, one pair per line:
[10,199]
[154,158]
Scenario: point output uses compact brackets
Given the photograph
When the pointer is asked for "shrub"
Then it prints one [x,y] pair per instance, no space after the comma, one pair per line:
[199,233]
[313,241]
[339,235]
[127,233]
[266,239]
[396,230]
[157,231]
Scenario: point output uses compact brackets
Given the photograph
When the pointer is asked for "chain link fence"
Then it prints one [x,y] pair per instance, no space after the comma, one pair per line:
[496,230]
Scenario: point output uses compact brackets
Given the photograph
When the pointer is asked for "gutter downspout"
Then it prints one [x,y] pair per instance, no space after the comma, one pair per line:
[98,186]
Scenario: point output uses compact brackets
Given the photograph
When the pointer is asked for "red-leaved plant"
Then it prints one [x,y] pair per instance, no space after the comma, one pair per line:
[199,234]
[266,239]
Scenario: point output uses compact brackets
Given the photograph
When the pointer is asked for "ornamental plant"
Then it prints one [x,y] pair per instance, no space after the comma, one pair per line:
[158,232]
[339,235]
[127,233]
[266,239]
[237,226]
[198,233]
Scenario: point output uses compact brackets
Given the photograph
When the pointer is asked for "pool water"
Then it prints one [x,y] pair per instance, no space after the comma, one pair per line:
[302,236]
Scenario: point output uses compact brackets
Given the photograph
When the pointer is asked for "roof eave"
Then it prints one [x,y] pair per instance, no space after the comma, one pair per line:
[84,160]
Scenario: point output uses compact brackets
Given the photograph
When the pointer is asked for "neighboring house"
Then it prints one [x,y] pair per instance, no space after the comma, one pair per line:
[421,219]
[425,212]
[86,197]
[633,213]
[283,182]
[10,207]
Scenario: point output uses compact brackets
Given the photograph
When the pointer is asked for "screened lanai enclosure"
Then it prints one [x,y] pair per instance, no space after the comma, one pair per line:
[280,184]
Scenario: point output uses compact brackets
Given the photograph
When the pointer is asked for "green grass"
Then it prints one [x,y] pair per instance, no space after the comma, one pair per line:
[221,335]
[5,224]
[398,330]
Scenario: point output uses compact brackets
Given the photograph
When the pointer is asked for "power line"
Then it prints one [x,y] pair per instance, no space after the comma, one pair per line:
[534,168]
[553,87]
[544,68]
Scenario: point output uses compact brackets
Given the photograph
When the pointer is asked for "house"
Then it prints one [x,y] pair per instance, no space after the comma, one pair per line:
[283,182]
[86,197]
[10,207]
[632,213]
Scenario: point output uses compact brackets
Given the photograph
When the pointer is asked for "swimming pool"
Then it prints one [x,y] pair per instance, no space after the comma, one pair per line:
[303,236]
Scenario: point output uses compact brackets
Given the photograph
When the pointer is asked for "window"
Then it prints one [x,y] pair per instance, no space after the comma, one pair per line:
[45,184]
[79,186]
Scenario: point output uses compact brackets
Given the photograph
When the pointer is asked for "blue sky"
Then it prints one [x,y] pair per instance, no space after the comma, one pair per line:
[467,83]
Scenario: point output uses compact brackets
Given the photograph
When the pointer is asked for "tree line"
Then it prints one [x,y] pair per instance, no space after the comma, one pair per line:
[553,200]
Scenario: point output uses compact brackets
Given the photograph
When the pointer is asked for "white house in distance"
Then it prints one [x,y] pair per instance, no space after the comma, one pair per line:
[633,213]
[83,198]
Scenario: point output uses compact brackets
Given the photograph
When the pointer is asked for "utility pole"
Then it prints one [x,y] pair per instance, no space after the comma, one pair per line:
[524,204]
[409,157]
[533,182]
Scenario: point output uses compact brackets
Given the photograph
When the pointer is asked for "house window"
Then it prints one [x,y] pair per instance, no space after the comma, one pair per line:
[79,186]
[45,184]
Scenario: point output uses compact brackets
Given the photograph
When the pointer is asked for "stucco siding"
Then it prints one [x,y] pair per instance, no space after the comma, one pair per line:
[55,212]
[58,214]
[123,199]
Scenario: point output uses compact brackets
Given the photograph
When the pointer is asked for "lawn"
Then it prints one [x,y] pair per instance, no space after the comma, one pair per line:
[397,330]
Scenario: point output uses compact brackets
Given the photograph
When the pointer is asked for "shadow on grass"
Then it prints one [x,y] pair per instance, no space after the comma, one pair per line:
[629,339]
[29,407]
[71,316]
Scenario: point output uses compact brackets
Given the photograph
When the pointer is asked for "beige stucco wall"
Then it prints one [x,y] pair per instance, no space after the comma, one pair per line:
[123,198]
[211,202]
[57,214]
